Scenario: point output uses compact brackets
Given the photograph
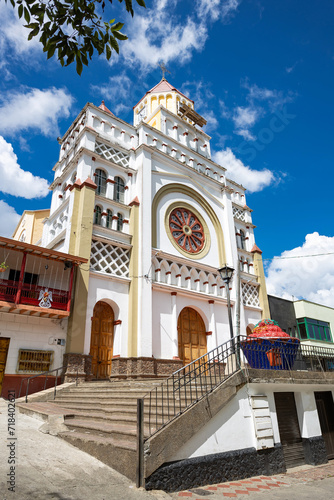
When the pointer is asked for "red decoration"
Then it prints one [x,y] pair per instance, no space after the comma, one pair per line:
[186,230]
[268,328]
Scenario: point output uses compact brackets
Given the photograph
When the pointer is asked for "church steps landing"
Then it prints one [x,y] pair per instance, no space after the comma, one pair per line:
[119,432]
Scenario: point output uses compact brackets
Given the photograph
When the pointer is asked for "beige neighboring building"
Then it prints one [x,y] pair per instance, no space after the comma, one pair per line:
[30,226]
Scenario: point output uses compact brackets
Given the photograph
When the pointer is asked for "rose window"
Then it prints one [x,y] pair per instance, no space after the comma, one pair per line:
[186,230]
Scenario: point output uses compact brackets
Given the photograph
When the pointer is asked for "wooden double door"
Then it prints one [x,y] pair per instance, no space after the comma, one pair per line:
[4,346]
[191,335]
[102,338]
[325,407]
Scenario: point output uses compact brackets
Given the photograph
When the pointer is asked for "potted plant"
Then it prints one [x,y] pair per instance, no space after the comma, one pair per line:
[3,267]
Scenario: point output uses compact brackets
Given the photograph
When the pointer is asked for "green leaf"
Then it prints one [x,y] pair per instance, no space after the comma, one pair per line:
[20,11]
[120,36]
[117,26]
[114,44]
[79,65]
[26,15]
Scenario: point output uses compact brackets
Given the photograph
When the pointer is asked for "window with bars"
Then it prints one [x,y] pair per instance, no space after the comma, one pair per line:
[109,219]
[119,222]
[97,215]
[101,182]
[119,188]
[31,361]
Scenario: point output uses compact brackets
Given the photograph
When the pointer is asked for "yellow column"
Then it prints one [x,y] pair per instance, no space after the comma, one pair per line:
[80,245]
[133,291]
[259,272]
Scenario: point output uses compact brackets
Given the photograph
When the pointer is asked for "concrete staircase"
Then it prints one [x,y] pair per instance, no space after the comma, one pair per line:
[101,418]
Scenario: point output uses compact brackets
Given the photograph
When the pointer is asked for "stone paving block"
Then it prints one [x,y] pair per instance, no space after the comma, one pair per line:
[242,492]
[229,494]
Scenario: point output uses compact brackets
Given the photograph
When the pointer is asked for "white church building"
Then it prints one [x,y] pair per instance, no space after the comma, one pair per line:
[156,217]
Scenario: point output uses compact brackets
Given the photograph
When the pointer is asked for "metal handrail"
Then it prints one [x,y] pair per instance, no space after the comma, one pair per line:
[46,378]
[191,383]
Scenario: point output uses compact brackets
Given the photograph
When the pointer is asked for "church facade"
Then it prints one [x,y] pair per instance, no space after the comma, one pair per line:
[156,218]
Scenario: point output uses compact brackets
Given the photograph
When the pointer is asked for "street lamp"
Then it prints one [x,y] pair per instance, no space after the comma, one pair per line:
[226,274]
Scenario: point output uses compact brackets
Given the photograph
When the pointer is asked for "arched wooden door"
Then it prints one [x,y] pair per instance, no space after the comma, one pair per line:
[101,341]
[191,335]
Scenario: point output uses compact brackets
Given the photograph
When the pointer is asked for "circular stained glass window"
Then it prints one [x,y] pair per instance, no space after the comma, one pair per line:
[186,230]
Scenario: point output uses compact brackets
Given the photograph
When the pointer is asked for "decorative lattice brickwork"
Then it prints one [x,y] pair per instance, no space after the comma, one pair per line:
[238,213]
[250,295]
[109,259]
[112,154]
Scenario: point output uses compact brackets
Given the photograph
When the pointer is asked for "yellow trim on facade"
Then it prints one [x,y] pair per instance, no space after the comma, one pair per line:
[263,297]
[133,288]
[80,244]
[207,241]
[179,188]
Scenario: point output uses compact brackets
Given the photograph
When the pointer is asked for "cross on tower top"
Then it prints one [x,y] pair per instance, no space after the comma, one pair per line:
[163,69]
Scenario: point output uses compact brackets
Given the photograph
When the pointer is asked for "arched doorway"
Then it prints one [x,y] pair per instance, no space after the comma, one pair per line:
[101,341]
[191,335]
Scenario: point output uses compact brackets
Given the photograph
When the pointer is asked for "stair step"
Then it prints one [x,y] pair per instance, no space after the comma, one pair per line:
[119,454]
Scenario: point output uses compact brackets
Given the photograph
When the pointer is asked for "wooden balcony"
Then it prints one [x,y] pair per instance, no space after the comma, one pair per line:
[30,294]
[35,280]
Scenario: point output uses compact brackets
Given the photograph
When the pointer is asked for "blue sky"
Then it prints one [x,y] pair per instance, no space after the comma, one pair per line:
[262,74]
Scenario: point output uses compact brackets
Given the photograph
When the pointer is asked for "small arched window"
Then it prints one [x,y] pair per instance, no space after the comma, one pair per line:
[119,222]
[101,181]
[97,215]
[74,178]
[241,239]
[119,188]
[109,219]
[23,236]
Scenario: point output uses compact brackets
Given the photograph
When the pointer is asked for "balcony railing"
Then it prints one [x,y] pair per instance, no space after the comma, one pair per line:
[30,294]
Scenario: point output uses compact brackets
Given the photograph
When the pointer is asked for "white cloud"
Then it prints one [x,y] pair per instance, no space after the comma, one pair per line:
[16,181]
[253,180]
[245,117]
[311,278]
[117,91]
[217,9]
[34,109]
[14,40]
[8,219]
[275,98]
[158,35]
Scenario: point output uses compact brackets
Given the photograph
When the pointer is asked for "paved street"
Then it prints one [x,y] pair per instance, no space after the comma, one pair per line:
[47,468]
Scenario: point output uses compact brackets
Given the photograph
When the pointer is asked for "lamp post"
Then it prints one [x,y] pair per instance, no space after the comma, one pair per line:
[226,274]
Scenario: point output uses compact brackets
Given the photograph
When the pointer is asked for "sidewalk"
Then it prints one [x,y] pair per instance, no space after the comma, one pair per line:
[304,483]
[48,468]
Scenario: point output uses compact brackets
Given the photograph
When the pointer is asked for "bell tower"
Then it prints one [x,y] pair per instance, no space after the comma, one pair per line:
[164,95]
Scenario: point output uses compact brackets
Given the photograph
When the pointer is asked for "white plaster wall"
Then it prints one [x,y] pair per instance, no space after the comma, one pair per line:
[116,294]
[231,429]
[165,332]
[305,403]
[164,243]
[28,332]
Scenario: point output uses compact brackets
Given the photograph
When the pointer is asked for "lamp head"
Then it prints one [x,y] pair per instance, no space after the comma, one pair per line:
[226,273]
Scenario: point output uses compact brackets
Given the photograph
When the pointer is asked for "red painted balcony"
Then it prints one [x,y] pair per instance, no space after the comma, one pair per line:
[30,294]
[35,280]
